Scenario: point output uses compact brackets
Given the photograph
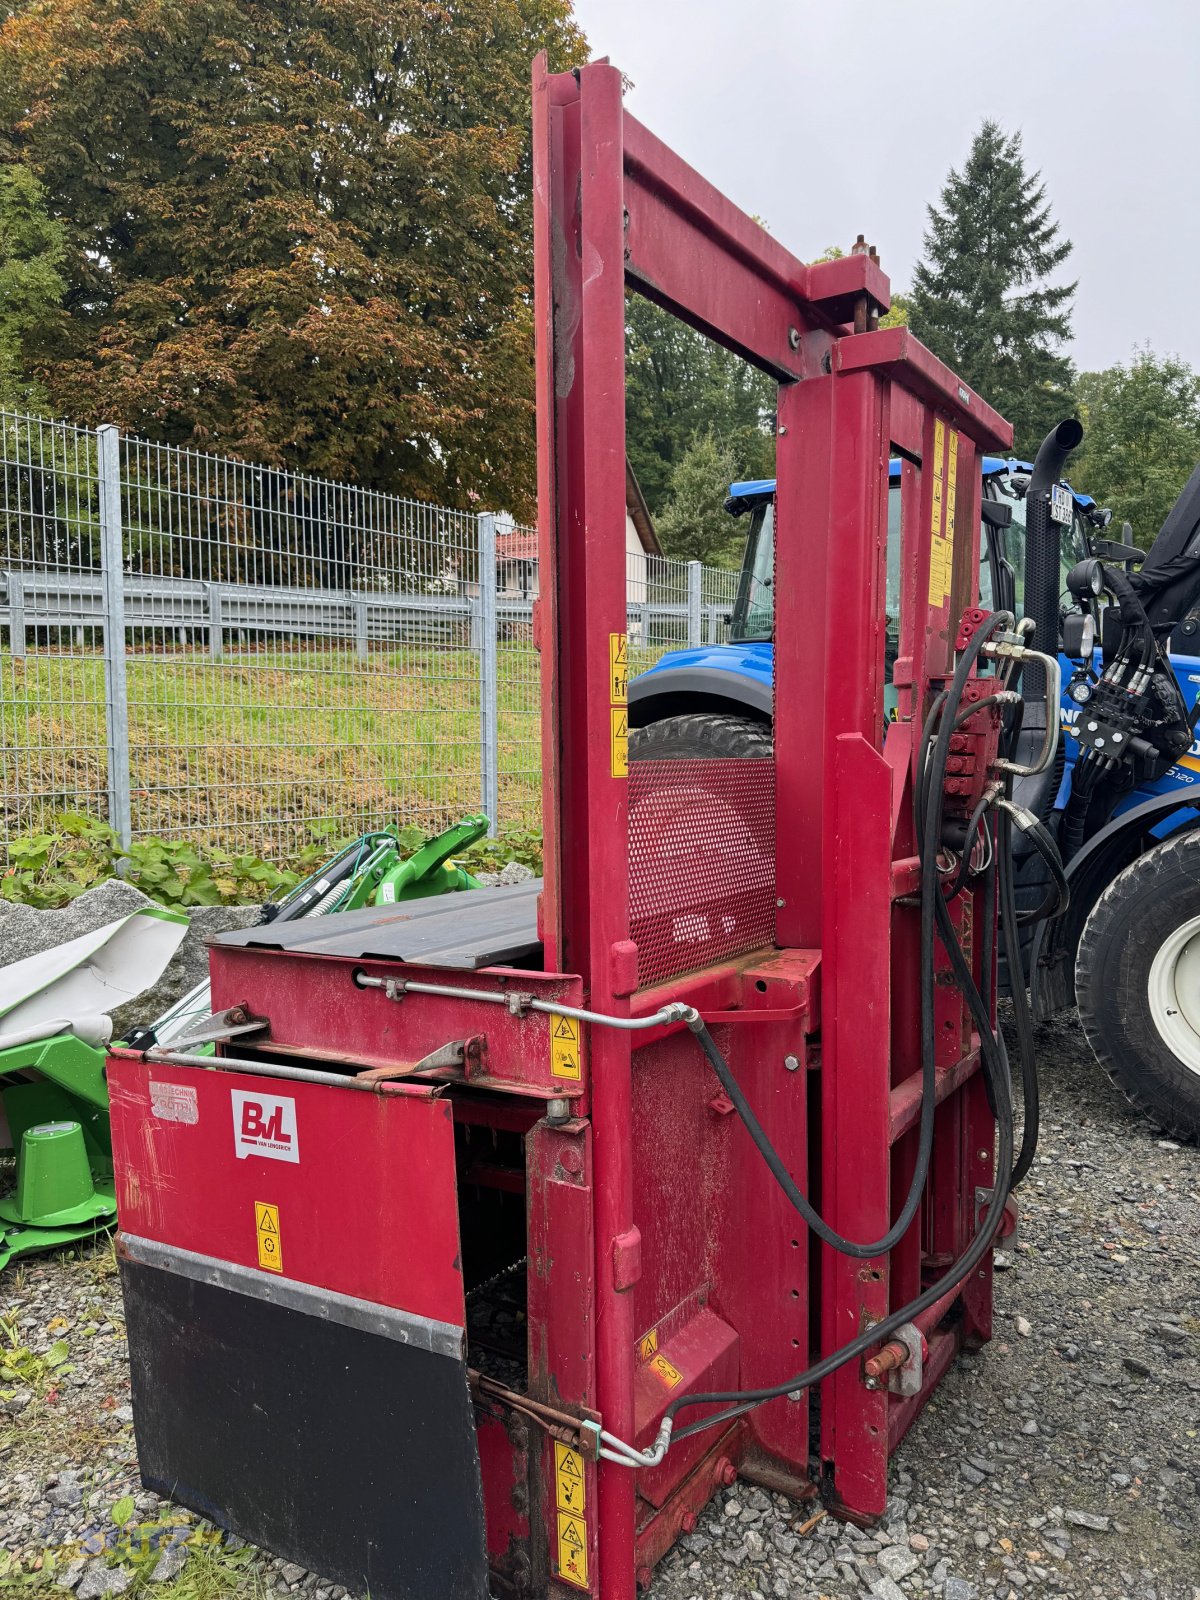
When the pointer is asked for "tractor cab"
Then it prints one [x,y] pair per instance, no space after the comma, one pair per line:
[1001,574]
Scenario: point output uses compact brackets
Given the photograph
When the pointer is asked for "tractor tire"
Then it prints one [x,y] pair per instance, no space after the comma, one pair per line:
[1137,981]
[701,735]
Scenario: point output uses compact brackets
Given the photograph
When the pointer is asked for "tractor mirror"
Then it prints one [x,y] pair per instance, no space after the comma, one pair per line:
[996,514]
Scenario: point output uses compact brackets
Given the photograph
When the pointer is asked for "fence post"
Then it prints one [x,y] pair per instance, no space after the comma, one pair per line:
[489,695]
[112,577]
[212,597]
[362,642]
[16,615]
[695,580]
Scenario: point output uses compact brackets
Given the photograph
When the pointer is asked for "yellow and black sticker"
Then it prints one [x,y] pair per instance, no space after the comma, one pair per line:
[569,1492]
[564,1049]
[648,1345]
[618,669]
[670,1375]
[620,741]
[572,1549]
[940,552]
[951,487]
[266,1223]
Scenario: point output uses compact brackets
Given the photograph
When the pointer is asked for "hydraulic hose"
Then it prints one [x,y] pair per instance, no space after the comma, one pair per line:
[934,772]
[944,716]
[741,1401]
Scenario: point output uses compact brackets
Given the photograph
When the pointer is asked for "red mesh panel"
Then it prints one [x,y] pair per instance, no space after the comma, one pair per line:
[701,862]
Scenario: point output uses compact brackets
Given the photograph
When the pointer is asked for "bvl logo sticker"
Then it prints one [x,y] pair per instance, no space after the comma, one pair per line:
[264,1125]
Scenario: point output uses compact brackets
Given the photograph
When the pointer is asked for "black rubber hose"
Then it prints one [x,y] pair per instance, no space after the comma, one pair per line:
[741,1401]
[1011,934]
[933,775]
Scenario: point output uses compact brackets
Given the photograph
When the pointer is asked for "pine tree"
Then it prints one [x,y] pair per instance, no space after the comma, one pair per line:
[982,299]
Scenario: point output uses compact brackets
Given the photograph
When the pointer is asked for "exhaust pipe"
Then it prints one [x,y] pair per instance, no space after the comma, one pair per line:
[1043,567]
[1043,557]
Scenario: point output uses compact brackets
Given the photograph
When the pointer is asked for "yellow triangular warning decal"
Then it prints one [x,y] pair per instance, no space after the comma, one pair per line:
[569,1466]
[564,1028]
[266,1223]
[569,1534]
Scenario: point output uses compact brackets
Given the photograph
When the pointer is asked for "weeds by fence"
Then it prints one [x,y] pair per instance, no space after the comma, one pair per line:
[192,646]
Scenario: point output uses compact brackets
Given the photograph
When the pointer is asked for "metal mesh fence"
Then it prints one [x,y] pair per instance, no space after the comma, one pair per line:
[196,647]
[53,739]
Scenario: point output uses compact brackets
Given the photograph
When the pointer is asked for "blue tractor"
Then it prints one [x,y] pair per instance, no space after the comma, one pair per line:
[1123,803]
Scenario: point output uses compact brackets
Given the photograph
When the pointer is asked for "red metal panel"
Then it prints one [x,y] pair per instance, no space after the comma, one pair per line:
[701,862]
[348,1174]
[318,1011]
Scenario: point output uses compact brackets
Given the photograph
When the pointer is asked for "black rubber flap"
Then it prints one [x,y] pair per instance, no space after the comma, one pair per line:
[465,931]
[349,1452]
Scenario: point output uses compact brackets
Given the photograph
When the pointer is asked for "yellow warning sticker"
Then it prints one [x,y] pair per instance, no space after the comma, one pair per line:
[618,668]
[266,1223]
[648,1345]
[951,487]
[572,1549]
[939,448]
[620,742]
[568,1479]
[565,1060]
[670,1375]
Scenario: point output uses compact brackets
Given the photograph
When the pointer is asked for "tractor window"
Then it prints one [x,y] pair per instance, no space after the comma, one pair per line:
[754,609]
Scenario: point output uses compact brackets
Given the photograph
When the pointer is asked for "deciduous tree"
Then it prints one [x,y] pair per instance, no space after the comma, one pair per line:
[32,249]
[681,387]
[296,229]
[1142,437]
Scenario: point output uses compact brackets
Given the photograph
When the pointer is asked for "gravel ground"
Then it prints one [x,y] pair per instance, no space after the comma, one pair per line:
[1063,1459]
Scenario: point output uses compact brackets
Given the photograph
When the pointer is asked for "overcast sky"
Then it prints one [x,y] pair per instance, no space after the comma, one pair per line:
[828,118]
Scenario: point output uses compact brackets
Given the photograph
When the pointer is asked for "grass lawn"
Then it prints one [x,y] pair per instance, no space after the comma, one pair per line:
[251,751]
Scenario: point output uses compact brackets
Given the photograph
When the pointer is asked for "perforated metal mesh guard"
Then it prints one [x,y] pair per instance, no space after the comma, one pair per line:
[701,862]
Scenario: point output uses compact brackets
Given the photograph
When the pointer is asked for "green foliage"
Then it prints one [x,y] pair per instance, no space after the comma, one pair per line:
[680,386]
[22,1367]
[694,525]
[296,230]
[897,315]
[123,1511]
[982,299]
[1141,438]
[523,845]
[32,250]
[77,852]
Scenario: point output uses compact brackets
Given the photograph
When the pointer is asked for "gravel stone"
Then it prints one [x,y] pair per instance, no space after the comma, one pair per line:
[983,1507]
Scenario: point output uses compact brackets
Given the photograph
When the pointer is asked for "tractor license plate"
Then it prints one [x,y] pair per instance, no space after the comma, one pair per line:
[1060,505]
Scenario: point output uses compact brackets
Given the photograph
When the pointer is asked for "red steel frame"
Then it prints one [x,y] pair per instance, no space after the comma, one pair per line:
[661,1258]
[613,208]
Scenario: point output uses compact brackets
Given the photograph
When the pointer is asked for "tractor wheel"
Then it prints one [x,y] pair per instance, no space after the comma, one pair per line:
[1137,980]
[698,736]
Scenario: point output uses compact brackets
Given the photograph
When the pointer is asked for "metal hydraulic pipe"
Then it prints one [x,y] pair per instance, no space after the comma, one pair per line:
[517,1001]
[266,1069]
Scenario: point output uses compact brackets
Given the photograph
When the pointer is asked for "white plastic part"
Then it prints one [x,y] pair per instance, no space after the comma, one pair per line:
[1174,993]
[89,976]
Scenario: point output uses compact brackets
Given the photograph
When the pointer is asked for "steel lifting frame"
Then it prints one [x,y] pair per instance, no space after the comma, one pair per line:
[615,208]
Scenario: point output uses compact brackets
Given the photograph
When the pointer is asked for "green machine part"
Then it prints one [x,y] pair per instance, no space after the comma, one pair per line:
[55,1105]
[385,879]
